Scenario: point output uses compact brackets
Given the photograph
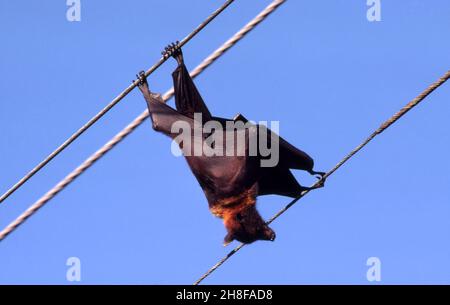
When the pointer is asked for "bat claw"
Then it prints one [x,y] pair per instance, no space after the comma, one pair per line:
[173,49]
[320,183]
[318,175]
[321,176]
[142,79]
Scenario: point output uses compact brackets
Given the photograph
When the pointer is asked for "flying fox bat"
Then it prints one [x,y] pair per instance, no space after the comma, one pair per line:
[231,182]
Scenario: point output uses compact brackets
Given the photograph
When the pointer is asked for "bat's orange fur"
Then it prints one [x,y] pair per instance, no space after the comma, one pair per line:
[241,218]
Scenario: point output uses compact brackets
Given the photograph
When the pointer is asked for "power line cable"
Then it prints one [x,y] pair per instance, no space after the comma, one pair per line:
[113,103]
[382,128]
[136,122]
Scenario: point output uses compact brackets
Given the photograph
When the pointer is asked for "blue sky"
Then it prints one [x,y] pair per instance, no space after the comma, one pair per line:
[138,216]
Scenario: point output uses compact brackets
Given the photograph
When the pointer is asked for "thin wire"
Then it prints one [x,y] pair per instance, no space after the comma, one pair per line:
[113,103]
[382,128]
[135,123]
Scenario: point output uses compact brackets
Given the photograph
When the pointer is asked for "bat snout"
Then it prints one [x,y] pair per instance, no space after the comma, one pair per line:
[273,236]
[269,234]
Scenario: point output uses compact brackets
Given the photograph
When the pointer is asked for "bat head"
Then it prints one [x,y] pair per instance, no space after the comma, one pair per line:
[247,226]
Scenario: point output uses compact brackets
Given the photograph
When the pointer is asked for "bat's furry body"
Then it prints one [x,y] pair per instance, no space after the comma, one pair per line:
[230,183]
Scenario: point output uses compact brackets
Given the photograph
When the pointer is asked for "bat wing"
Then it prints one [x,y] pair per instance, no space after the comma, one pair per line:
[187,98]
[279,179]
[164,117]
[292,157]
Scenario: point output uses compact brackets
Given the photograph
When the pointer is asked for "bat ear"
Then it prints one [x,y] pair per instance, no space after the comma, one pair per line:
[228,239]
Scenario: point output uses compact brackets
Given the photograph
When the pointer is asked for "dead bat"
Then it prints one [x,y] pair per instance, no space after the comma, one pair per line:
[231,183]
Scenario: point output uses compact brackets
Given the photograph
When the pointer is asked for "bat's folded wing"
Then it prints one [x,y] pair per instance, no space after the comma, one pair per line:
[279,179]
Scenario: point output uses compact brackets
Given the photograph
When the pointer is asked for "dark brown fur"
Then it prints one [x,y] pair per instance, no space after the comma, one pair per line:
[231,184]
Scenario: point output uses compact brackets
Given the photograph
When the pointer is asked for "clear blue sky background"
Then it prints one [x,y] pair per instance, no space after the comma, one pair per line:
[138,216]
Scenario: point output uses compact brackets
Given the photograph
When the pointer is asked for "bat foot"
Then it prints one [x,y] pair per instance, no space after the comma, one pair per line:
[142,81]
[173,50]
[318,185]
[319,175]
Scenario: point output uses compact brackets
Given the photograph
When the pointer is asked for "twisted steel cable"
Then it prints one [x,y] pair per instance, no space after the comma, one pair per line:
[108,107]
[382,128]
[138,121]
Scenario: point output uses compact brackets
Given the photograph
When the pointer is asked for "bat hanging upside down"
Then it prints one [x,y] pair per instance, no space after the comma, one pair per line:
[231,182]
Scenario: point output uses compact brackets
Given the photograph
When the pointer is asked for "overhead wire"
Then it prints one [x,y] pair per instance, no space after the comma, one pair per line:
[107,108]
[413,103]
[72,176]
